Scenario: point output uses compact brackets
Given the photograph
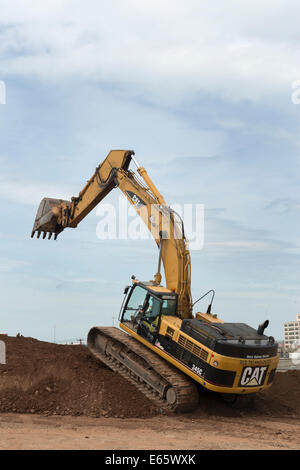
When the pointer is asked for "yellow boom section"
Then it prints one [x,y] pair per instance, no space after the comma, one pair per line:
[166,227]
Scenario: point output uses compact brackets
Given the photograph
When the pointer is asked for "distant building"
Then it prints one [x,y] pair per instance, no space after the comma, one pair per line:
[292,333]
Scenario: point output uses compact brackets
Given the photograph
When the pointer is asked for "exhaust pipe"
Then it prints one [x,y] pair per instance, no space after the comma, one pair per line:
[261,328]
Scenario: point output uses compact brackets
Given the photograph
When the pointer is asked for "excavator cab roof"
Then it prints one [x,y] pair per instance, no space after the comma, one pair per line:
[157,290]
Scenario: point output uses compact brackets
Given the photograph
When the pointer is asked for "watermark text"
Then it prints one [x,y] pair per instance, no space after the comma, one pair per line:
[2,92]
[2,352]
[295,97]
[144,222]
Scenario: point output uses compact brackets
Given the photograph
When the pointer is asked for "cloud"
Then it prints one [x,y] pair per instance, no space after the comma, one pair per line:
[80,285]
[201,92]
[225,237]
[167,51]
[284,205]
[22,191]
[7,264]
[240,244]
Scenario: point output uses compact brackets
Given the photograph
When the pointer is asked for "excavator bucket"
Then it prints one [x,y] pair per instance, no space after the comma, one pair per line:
[48,217]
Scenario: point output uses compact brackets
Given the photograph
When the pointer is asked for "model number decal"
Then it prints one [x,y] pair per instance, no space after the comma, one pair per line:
[198,370]
[136,201]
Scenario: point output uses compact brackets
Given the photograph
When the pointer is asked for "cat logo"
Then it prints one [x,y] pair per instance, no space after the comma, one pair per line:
[253,376]
[136,201]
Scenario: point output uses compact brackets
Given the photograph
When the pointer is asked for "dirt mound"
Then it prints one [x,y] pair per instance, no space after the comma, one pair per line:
[47,378]
[282,399]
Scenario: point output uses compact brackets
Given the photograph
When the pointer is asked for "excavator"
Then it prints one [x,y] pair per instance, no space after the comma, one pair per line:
[164,349]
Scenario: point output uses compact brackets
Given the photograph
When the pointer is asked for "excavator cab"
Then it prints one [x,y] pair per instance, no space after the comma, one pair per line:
[143,308]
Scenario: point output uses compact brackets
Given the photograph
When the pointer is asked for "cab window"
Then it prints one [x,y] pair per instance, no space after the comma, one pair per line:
[135,303]
[169,307]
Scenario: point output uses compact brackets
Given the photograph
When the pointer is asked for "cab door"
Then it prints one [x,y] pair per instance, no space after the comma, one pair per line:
[142,313]
[135,304]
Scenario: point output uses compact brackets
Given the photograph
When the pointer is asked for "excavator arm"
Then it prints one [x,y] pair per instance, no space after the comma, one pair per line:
[166,226]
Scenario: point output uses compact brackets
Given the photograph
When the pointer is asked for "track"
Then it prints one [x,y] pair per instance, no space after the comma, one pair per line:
[167,387]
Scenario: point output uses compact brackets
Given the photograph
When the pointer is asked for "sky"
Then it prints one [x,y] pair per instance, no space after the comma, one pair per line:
[207,95]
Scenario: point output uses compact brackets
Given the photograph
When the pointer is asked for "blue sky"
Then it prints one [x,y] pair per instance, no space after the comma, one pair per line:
[201,91]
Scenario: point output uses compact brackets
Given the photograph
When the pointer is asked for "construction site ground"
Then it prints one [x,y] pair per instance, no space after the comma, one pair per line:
[59,397]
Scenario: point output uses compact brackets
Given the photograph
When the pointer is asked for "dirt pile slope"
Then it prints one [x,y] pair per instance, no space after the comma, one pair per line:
[47,378]
[282,399]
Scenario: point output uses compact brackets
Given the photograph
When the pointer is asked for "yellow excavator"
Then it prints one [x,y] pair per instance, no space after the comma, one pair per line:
[164,349]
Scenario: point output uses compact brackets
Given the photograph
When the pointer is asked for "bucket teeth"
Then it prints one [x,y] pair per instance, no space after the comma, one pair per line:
[39,232]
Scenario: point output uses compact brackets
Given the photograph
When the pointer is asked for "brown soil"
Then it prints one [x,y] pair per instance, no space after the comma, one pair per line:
[51,379]
[157,433]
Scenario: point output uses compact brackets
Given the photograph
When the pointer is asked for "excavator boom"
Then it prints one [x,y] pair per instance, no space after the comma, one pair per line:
[166,227]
